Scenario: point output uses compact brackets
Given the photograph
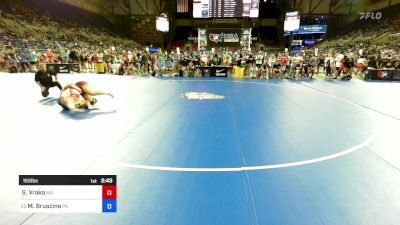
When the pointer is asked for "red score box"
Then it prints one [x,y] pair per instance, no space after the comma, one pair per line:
[109,191]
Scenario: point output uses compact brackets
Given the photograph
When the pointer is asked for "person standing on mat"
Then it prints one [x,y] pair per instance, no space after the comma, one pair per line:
[44,78]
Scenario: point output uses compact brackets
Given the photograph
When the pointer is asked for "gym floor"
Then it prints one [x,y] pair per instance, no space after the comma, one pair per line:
[204,151]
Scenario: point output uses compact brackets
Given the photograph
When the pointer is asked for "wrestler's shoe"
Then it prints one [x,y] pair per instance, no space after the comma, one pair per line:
[94,101]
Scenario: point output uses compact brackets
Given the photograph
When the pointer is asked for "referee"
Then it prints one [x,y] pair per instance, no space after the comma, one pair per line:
[44,78]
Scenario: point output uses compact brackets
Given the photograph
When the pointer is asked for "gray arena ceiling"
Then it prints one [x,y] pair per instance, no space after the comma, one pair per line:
[156,7]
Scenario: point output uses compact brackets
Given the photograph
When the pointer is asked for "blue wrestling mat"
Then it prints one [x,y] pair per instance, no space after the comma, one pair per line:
[211,151]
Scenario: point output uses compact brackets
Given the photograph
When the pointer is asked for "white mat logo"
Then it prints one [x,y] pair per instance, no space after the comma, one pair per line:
[370,15]
[201,96]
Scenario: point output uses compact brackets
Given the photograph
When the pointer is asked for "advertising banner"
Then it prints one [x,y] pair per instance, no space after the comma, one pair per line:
[214,71]
[308,29]
[63,67]
[396,75]
[309,42]
[312,29]
[297,43]
[382,74]
[223,38]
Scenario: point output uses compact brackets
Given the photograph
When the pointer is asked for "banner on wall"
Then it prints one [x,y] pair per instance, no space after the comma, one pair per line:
[63,67]
[309,42]
[297,43]
[382,74]
[223,37]
[312,29]
[309,29]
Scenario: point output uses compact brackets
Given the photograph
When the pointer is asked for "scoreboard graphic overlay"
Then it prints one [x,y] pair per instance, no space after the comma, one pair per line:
[68,193]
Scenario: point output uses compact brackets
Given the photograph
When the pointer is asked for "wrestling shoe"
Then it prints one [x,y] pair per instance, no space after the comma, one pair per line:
[94,101]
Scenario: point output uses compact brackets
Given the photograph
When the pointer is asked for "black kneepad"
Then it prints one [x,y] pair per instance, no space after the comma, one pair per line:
[45,93]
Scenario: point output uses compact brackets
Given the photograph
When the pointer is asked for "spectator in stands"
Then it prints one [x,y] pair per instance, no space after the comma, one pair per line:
[108,61]
[347,65]
[320,62]
[239,58]
[3,60]
[227,59]
[216,60]
[33,58]
[396,63]
[23,60]
[50,56]
[43,58]
[73,56]
[312,66]
[121,69]
[117,62]
[296,66]
[153,59]
[84,61]
[361,63]
[145,61]
[271,62]
[125,57]
[203,59]
[98,56]
[12,63]
[329,65]
[385,62]
[176,67]
[27,16]
[65,56]
[248,62]
[191,69]
[92,59]
[339,64]
[136,60]
[389,63]
[372,63]
[259,62]
[276,70]
[283,61]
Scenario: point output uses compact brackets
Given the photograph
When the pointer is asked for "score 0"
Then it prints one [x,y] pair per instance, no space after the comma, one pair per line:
[109,198]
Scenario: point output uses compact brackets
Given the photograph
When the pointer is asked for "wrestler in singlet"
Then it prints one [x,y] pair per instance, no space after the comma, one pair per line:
[79,96]
[69,94]
[80,84]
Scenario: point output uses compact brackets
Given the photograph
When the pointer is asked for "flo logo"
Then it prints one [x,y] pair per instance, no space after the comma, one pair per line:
[215,37]
[370,15]
[201,96]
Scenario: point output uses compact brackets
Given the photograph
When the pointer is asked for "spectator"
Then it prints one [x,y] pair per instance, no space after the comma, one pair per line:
[33,58]
[65,56]
[23,56]
[12,64]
